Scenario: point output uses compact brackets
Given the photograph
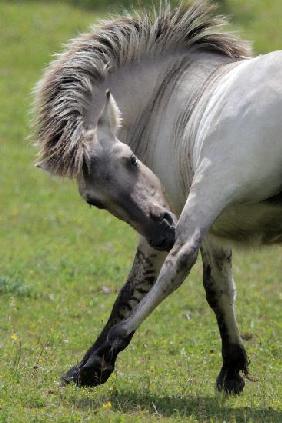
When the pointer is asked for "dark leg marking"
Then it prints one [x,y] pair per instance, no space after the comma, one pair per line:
[98,363]
[219,286]
[235,360]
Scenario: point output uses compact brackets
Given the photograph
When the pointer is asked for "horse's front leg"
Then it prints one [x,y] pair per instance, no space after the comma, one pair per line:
[174,270]
[98,362]
[195,221]
[220,293]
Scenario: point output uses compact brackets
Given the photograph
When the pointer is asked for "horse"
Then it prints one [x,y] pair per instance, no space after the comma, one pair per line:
[171,124]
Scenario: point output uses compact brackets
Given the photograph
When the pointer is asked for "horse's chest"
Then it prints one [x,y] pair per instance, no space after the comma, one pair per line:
[251,224]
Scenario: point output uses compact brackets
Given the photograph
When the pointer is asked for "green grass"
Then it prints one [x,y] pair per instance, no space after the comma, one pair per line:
[259,21]
[57,254]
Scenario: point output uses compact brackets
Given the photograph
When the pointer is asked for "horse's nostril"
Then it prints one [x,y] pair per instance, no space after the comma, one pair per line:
[168,217]
[161,217]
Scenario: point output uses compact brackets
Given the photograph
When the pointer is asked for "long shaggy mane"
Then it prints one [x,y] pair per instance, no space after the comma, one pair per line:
[63,95]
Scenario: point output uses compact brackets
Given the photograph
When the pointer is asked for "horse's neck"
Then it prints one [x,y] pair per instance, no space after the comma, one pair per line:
[154,93]
[141,91]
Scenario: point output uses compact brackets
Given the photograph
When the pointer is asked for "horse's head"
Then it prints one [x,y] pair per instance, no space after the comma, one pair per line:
[114,179]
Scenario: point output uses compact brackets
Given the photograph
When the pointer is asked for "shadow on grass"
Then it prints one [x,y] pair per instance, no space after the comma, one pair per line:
[197,406]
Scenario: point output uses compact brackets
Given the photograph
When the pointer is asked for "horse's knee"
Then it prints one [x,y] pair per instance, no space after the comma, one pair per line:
[186,256]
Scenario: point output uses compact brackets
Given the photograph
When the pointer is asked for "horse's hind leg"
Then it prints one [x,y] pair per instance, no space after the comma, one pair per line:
[98,362]
[220,293]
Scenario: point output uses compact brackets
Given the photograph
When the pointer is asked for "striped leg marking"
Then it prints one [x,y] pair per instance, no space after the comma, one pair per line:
[98,362]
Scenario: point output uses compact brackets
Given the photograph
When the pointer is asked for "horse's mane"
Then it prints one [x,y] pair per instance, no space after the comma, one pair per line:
[63,95]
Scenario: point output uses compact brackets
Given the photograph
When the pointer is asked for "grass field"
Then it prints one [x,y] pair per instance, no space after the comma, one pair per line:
[57,257]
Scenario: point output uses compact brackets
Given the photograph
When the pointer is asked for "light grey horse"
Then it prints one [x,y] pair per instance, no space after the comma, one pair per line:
[186,103]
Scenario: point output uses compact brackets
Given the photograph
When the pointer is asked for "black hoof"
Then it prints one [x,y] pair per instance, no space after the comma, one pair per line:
[93,374]
[71,376]
[230,382]
[98,364]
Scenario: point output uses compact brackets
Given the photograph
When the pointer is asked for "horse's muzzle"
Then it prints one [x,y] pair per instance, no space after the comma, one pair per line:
[164,244]
[162,236]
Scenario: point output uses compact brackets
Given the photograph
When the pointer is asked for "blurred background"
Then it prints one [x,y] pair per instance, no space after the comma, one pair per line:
[62,263]
[259,19]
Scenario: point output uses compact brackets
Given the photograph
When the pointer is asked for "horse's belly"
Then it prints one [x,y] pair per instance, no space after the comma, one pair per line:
[250,224]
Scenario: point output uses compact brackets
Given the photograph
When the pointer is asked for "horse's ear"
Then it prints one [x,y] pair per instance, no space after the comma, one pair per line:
[110,119]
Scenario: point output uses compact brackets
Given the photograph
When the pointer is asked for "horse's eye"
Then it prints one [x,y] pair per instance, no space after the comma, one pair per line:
[133,160]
